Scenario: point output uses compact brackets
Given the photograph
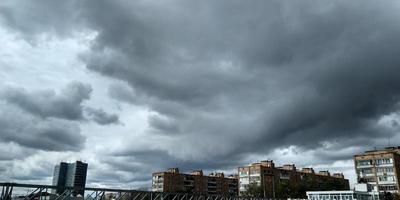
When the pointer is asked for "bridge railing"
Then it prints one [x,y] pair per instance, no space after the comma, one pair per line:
[46,192]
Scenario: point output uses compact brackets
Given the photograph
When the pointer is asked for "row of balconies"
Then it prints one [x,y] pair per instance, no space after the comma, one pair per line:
[158,181]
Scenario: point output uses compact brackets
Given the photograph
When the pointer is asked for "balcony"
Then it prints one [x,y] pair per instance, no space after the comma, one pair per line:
[366,175]
[384,173]
[385,165]
[158,181]
[254,174]
[387,182]
[284,177]
[364,166]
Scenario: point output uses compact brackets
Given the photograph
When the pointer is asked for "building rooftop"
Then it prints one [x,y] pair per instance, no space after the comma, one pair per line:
[291,167]
[197,173]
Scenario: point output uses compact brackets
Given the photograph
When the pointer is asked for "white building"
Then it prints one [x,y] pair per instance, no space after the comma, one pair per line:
[360,192]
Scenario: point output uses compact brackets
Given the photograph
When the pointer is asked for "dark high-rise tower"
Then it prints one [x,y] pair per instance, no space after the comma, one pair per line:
[70,175]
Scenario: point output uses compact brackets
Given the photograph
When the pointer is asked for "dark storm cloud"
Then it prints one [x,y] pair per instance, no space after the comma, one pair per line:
[66,104]
[140,164]
[47,103]
[164,125]
[45,16]
[150,156]
[17,126]
[46,119]
[307,72]
[101,117]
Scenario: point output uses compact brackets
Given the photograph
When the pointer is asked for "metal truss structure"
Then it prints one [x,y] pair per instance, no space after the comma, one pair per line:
[42,192]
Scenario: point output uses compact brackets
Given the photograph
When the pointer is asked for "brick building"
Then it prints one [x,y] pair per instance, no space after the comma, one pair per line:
[287,181]
[379,168]
[194,183]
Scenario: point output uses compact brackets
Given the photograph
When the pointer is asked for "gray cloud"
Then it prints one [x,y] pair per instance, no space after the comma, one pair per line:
[235,78]
[14,150]
[138,165]
[33,19]
[65,105]
[101,117]
[307,56]
[272,75]
[164,125]
[29,131]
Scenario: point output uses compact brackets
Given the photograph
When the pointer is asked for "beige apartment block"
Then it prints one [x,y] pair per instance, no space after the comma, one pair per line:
[379,168]
[287,181]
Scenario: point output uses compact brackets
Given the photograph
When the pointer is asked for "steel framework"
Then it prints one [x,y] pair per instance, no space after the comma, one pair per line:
[41,192]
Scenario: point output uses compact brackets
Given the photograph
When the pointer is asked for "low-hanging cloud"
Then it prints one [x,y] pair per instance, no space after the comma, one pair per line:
[101,117]
[17,126]
[48,120]
[67,104]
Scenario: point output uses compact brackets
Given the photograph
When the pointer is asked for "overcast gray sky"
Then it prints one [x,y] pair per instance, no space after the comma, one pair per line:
[133,87]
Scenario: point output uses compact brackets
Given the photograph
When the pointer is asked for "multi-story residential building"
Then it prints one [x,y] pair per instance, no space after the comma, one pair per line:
[194,183]
[70,175]
[287,181]
[379,168]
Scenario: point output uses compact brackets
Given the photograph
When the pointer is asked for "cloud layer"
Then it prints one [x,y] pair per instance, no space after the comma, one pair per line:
[266,74]
[47,120]
[65,105]
[223,82]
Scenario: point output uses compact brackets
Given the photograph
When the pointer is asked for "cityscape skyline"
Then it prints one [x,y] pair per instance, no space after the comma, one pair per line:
[134,87]
[384,162]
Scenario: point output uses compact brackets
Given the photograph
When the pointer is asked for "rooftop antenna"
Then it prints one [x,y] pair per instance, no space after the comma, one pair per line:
[389,141]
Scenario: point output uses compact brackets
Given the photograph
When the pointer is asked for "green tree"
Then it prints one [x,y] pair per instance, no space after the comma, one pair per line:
[283,190]
[396,196]
[253,190]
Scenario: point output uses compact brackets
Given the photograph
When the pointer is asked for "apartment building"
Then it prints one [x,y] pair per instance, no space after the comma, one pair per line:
[194,183]
[287,181]
[379,168]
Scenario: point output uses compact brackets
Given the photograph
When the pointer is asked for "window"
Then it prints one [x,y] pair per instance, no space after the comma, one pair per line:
[387,187]
[254,171]
[244,173]
[365,171]
[364,162]
[383,161]
[384,169]
[386,178]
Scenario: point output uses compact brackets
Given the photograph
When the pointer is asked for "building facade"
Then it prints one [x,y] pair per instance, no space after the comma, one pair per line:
[194,183]
[360,192]
[379,168]
[70,175]
[342,195]
[286,181]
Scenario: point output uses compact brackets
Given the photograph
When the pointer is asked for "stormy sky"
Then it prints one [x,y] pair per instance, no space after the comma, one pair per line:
[133,87]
